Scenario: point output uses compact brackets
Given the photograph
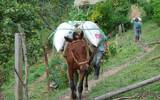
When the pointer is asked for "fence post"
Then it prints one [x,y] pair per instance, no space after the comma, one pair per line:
[26,97]
[46,66]
[18,68]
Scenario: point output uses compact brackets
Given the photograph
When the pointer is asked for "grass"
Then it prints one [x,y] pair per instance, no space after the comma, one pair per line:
[37,87]
[127,49]
[35,72]
[136,72]
[150,32]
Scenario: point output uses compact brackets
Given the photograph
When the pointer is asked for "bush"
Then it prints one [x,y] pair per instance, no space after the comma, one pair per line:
[78,15]
[156,10]
[111,50]
[58,72]
[110,14]
[149,10]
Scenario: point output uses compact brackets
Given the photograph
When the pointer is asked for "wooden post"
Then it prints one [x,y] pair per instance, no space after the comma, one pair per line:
[121,28]
[26,66]
[18,68]
[128,88]
[25,84]
[46,66]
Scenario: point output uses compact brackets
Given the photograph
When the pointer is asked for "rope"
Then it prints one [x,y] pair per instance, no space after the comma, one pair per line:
[79,63]
[83,62]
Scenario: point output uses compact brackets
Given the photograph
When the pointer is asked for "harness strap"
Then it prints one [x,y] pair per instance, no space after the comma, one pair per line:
[74,57]
[79,63]
[83,62]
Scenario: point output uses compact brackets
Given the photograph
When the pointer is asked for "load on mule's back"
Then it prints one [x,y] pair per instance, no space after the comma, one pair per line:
[77,59]
[91,32]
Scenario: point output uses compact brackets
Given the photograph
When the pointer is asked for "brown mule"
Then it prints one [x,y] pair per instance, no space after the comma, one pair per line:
[77,59]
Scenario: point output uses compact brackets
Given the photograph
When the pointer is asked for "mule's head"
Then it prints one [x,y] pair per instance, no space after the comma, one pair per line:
[78,35]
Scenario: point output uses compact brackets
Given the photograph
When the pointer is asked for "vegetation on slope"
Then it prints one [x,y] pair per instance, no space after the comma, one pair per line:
[135,72]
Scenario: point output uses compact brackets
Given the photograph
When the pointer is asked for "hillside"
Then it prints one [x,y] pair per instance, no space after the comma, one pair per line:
[138,70]
[131,64]
[124,63]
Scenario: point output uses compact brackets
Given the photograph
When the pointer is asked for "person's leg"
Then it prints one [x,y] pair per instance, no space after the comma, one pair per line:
[93,62]
[138,37]
[135,38]
[97,64]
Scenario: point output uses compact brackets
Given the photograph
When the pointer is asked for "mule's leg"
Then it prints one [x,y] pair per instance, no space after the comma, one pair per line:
[72,85]
[86,81]
[80,87]
[76,77]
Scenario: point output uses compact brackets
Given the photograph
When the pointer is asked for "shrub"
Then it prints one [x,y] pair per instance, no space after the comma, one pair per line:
[76,14]
[110,14]
[111,50]
[156,10]
[58,72]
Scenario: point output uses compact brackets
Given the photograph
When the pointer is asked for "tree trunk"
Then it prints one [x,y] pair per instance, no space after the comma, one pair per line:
[128,88]
[46,66]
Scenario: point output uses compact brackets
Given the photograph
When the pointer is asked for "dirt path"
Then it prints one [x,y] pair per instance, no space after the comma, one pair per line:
[92,83]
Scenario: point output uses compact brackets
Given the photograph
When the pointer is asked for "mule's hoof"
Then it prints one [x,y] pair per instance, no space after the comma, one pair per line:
[86,89]
[74,96]
[95,77]
[79,98]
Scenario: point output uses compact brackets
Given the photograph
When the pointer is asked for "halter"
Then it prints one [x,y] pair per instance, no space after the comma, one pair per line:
[82,62]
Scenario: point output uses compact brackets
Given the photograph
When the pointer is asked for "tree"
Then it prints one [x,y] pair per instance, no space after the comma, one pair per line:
[110,14]
[156,10]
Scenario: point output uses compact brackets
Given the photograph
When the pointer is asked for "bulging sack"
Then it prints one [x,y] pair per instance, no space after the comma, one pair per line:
[92,32]
[63,30]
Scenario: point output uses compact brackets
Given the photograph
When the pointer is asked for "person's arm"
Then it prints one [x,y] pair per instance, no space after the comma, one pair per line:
[103,35]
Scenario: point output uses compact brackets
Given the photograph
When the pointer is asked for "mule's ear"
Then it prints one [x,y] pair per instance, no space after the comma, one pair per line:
[82,35]
[68,39]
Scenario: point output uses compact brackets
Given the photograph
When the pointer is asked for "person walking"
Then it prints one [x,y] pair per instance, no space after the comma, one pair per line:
[99,52]
[137,25]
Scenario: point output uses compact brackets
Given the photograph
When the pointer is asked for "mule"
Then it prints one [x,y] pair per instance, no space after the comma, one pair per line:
[77,58]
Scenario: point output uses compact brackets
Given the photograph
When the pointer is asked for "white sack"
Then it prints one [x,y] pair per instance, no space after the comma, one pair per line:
[92,32]
[63,30]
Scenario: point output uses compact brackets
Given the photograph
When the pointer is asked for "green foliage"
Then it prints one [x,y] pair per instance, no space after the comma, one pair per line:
[133,1]
[110,14]
[135,72]
[36,18]
[148,9]
[113,48]
[79,15]
[13,13]
[139,2]
[156,10]
[58,72]
[35,72]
